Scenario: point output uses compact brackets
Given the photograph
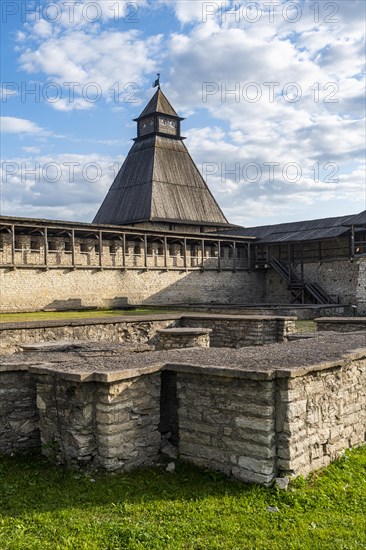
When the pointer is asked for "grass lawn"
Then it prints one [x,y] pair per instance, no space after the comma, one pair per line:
[305,326]
[83,314]
[301,326]
[41,507]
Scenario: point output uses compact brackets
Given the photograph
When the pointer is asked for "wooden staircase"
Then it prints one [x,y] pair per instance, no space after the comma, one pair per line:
[302,291]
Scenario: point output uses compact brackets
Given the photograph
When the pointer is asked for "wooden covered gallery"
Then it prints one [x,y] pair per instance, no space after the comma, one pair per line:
[47,244]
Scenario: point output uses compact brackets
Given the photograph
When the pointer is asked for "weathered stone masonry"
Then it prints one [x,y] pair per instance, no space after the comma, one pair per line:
[341,324]
[251,425]
[31,289]
[19,419]
[320,413]
[227,330]
[109,426]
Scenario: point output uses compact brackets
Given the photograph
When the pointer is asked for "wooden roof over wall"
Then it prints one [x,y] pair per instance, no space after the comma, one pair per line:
[310,230]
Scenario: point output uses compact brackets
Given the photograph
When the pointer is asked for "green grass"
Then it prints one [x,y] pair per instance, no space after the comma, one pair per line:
[44,508]
[301,326]
[305,326]
[82,314]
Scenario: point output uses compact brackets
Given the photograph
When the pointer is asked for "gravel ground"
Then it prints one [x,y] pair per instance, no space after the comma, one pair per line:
[104,356]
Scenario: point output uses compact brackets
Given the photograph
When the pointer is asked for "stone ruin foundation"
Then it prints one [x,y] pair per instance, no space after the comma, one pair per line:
[253,413]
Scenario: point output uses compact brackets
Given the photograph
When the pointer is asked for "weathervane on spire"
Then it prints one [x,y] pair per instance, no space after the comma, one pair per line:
[157,82]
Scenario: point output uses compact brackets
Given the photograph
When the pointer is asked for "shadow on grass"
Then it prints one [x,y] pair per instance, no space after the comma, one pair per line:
[29,483]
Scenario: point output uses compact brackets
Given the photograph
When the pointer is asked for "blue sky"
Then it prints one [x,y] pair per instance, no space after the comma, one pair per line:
[272,92]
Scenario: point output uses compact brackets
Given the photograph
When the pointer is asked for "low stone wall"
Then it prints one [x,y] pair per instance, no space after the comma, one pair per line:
[341,324]
[252,425]
[239,331]
[175,338]
[110,426]
[320,412]
[228,330]
[135,329]
[227,422]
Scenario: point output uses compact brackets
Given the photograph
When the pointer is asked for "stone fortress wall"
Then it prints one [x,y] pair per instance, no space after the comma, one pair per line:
[114,275]
[344,279]
[31,290]
[34,277]
[327,263]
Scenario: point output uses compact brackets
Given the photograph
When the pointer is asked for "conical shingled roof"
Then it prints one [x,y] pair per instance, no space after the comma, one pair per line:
[159,182]
[158,104]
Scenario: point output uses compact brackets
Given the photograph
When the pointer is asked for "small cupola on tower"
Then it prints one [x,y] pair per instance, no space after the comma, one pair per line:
[158,118]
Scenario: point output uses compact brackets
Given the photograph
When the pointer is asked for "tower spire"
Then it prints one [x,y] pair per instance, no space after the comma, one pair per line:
[158,182]
[157,82]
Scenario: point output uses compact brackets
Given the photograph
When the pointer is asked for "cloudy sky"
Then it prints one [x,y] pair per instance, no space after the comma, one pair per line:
[272,92]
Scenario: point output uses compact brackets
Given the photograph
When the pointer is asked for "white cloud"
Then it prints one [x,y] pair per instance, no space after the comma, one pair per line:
[251,186]
[323,57]
[64,186]
[315,132]
[108,63]
[34,150]
[14,125]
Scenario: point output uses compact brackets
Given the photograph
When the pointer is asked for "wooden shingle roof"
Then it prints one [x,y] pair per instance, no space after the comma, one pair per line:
[359,219]
[158,104]
[324,228]
[159,181]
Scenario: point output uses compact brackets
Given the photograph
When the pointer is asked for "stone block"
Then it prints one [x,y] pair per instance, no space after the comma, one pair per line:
[254,423]
[249,476]
[41,404]
[248,448]
[195,437]
[256,465]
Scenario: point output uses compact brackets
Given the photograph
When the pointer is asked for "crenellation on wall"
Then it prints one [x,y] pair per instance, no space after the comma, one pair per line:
[30,250]
[53,277]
